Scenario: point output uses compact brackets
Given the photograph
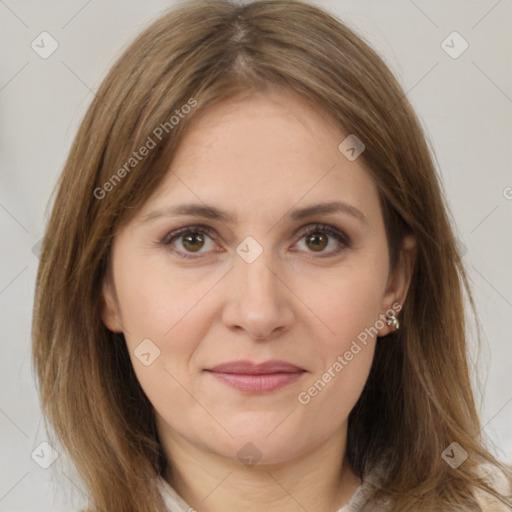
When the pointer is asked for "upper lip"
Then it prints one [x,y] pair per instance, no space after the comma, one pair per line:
[248,367]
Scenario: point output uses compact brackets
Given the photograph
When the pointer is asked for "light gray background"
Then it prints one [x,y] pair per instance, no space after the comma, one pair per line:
[465,106]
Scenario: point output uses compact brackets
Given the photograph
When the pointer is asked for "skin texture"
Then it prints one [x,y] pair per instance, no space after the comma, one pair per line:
[258,157]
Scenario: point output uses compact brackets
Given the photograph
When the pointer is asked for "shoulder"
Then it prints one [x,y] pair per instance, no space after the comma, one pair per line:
[491,474]
[489,503]
[498,480]
[173,501]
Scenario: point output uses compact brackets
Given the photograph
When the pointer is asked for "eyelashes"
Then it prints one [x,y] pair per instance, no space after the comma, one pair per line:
[321,230]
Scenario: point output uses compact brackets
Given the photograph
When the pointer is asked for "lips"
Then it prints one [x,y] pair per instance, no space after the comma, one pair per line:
[250,368]
[257,378]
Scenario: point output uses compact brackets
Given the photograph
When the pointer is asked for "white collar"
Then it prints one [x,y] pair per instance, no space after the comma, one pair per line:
[175,503]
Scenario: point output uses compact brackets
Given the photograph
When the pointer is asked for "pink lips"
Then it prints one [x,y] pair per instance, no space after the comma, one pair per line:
[257,378]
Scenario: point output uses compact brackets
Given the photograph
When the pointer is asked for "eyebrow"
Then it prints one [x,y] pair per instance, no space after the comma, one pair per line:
[213,213]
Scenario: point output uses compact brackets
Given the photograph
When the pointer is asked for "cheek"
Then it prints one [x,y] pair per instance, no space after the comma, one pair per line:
[167,308]
[344,358]
[154,301]
[158,305]
[349,304]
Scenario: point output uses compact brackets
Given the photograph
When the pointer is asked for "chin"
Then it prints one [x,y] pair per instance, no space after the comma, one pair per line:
[252,448]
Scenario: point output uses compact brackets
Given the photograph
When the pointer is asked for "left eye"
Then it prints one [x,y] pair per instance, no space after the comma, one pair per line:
[192,240]
[319,236]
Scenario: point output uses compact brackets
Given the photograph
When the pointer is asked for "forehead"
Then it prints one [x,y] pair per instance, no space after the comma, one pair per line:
[253,125]
[269,151]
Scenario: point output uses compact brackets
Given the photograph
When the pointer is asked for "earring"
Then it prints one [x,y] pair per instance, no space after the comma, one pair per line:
[393,320]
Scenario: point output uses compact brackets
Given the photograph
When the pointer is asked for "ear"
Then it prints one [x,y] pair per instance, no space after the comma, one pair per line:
[399,281]
[109,307]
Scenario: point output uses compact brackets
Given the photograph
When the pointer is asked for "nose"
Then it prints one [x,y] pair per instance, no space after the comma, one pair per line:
[257,299]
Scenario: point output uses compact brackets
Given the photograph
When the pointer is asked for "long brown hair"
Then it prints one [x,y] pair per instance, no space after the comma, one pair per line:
[418,398]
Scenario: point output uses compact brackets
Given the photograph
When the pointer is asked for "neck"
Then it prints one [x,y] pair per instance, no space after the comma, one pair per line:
[318,480]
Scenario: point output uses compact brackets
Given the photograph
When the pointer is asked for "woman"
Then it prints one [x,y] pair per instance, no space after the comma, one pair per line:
[249,293]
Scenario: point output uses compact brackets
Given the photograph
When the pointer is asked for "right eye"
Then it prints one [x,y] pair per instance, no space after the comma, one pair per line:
[191,239]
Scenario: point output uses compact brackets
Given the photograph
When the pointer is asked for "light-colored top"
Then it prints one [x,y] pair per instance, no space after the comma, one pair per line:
[363,497]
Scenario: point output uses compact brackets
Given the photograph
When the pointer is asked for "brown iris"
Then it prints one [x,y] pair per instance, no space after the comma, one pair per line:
[318,241]
[194,241]
[190,241]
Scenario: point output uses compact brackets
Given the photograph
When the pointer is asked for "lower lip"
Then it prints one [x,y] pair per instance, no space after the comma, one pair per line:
[261,383]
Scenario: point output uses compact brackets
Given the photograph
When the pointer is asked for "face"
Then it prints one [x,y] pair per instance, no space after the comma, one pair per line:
[270,281]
